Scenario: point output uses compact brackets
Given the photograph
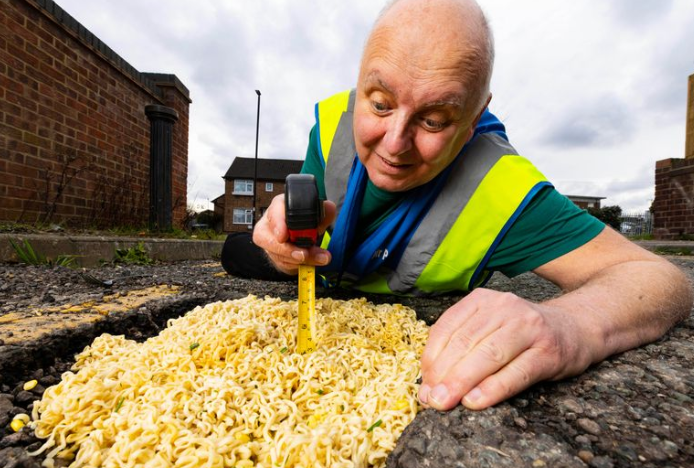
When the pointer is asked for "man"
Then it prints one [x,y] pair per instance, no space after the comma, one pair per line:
[437,200]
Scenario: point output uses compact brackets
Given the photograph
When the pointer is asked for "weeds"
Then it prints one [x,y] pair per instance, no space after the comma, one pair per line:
[28,255]
[207,234]
[638,237]
[679,251]
[133,255]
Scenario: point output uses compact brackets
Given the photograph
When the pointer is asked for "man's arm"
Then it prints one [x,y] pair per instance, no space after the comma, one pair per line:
[492,345]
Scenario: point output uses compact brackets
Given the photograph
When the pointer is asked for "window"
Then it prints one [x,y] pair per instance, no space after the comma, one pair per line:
[243,187]
[243,216]
[269,187]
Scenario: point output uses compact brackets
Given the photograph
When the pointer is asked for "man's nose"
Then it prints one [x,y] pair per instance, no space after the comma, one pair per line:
[398,137]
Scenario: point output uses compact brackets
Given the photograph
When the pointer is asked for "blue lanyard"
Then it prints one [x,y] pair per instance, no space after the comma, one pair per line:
[385,246]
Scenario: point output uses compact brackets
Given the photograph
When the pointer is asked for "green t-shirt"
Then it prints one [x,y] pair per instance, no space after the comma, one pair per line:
[550,226]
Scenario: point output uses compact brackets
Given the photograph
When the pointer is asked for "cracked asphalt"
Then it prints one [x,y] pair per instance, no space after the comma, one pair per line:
[635,409]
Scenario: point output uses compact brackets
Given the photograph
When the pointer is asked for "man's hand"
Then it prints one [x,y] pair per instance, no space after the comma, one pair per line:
[272,235]
[492,345]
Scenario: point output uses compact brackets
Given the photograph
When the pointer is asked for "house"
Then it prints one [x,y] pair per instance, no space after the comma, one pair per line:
[238,189]
[585,202]
[219,205]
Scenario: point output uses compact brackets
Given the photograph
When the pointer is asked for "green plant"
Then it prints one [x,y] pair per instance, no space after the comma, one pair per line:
[133,255]
[17,227]
[608,214]
[207,234]
[641,237]
[27,254]
[673,250]
[67,261]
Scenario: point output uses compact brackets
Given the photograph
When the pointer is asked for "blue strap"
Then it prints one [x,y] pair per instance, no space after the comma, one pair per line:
[490,124]
[346,223]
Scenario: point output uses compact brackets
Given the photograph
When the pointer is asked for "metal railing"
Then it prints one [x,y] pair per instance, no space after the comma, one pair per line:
[636,223]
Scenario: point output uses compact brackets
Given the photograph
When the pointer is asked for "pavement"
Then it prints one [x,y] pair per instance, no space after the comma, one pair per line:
[636,409]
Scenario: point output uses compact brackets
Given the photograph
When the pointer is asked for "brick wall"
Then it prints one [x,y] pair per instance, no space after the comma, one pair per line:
[263,201]
[673,206]
[74,137]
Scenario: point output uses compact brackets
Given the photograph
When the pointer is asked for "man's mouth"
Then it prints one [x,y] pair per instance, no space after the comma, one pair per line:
[394,164]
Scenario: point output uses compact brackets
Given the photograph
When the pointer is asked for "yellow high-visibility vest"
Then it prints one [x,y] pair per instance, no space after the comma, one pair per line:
[488,187]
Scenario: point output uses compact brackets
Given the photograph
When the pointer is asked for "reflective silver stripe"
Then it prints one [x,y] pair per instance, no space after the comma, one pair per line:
[467,173]
[342,152]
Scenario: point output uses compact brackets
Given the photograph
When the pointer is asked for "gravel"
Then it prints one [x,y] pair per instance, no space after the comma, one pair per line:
[635,409]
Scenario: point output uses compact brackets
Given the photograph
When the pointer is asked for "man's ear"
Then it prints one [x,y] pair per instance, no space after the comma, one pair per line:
[473,126]
[484,107]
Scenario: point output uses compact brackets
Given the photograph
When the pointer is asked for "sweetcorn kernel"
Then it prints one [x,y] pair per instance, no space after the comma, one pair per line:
[401,405]
[23,417]
[30,385]
[17,425]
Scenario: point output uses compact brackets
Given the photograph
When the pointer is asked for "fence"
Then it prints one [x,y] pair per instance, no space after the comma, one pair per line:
[636,223]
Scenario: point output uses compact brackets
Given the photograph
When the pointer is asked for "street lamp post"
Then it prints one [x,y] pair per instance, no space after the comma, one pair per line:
[255,164]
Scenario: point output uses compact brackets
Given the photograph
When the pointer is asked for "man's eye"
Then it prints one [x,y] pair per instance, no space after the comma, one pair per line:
[379,106]
[434,125]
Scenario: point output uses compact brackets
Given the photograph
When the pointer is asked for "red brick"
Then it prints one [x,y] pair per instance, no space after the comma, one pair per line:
[14,33]
[10,59]
[45,36]
[663,163]
[21,101]
[19,123]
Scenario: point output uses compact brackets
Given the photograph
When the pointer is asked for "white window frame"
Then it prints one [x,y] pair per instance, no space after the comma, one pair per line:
[246,213]
[243,187]
[269,187]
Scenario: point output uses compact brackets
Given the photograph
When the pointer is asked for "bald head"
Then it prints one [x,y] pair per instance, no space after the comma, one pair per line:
[438,35]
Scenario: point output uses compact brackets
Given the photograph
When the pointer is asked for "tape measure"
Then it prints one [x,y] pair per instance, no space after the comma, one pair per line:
[303,212]
[306,338]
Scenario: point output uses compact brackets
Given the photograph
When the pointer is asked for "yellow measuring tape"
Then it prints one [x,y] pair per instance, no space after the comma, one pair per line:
[306,338]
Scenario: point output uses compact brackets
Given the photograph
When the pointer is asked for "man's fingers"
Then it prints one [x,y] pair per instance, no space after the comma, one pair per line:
[441,332]
[318,256]
[329,212]
[276,219]
[518,375]
[456,374]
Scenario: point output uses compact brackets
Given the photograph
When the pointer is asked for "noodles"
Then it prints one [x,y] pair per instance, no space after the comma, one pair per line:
[223,387]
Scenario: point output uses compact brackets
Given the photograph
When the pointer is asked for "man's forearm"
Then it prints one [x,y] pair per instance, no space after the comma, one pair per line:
[626,305]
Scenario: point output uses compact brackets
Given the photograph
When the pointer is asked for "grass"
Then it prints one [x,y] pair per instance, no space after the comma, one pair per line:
[6,227]
[133,256]
[30,256]
[679,251]
[120,231]
[638,237]
[175,233]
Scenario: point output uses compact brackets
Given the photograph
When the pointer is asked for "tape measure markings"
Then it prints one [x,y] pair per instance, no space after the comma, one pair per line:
[306,338]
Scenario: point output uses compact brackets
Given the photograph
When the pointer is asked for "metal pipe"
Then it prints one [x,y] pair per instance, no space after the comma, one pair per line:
[255,164]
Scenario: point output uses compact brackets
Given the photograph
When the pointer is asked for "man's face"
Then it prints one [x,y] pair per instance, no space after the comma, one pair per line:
[410,116]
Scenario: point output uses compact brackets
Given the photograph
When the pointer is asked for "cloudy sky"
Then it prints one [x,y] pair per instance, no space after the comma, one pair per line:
[593,92]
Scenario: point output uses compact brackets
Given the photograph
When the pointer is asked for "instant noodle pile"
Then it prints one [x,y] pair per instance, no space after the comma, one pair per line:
[223,386]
